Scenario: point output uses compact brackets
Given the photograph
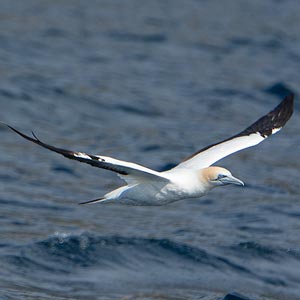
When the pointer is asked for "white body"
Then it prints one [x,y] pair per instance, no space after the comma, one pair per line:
[180,183]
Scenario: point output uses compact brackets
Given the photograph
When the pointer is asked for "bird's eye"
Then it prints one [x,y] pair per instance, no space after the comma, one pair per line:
[220,176]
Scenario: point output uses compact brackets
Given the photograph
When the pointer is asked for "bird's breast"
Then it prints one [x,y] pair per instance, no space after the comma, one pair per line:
[187,184]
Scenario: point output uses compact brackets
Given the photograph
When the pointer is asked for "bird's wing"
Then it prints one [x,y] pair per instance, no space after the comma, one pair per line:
[251,136]
[128,171]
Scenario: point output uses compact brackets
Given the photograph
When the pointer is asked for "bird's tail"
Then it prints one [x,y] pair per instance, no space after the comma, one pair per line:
[93,201]
[113,195]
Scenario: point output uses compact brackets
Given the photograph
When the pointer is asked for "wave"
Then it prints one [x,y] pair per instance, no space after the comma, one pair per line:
[63,252]
[116,263]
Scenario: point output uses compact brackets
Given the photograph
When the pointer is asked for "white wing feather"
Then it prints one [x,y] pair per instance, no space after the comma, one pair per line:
[219,151]
[267,125]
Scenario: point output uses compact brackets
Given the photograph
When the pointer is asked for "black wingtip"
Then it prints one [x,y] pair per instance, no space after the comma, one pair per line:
[22,134]
[91,201]
[275,119]
[5,124]
[288,101]
[34,135]
[282,113]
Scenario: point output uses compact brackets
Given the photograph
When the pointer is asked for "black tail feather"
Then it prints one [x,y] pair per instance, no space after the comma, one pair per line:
[91,201]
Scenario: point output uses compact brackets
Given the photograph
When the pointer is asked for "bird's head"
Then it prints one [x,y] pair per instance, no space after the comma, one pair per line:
[217,176]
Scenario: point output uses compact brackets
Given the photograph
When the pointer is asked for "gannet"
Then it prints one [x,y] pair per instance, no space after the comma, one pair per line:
[192,178]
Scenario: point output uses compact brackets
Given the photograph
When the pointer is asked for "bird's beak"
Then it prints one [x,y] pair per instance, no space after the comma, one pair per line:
[232,180]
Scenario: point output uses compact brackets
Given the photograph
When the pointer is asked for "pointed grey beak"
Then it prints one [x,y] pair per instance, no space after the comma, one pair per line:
[231,180]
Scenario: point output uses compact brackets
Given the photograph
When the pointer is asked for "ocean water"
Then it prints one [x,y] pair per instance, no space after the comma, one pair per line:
[149,82]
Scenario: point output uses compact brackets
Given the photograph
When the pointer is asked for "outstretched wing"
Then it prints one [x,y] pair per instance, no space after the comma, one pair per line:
[251,136]
[127,170]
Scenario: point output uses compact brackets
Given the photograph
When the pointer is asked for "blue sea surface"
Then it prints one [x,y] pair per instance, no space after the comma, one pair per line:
[149,82]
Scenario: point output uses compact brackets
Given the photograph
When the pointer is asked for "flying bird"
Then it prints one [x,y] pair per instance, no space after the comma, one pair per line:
[192,178]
